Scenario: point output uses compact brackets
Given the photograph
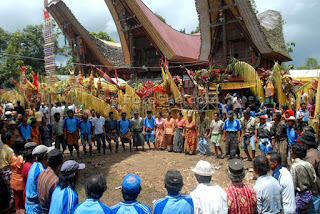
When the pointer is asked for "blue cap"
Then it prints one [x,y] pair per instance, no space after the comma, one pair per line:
[235,94]
[131,183]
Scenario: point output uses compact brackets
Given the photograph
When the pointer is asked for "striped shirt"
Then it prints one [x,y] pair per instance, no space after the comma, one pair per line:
[91,206]
[241,199]
[46,183]
[63,200]
[179,204]
[132,207]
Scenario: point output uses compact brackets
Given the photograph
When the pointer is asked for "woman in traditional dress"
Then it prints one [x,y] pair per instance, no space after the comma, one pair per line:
[178,135]
[160,132]
[190,144]
[168,124]
[35,134]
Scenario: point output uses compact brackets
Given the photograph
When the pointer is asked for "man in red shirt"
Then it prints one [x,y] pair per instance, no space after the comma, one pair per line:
[241,197]
[29,159]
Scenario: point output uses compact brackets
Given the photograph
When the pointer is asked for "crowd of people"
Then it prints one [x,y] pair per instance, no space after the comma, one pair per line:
[29,144]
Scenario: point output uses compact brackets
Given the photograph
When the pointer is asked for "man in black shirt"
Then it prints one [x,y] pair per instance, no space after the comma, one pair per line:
[19,109]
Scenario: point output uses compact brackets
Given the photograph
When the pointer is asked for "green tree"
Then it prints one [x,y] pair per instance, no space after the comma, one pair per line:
[25,47]
[196,30]
[102,35]
[160,17]
[290,46]
[254,6]
[311,63]
[183,30]
[4,39]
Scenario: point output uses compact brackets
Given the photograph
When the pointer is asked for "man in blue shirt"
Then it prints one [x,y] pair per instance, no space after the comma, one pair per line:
[303,115]
[25,129]
[64,197]
[232,135]
[131,187]
[148,127]
[124,127]
[32,203]
[95,186]
[71,132]
[174,202]
[291,134]
[112,131]
[86,133]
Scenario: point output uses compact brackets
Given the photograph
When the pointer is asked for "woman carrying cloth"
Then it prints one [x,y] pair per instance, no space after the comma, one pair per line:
[168,124]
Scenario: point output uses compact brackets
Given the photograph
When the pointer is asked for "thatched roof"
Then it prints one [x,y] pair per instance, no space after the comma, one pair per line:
[269,42]
[107,53]
[271,23]
[176,46]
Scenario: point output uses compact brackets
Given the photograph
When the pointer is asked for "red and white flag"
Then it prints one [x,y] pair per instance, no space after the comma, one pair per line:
[116,75]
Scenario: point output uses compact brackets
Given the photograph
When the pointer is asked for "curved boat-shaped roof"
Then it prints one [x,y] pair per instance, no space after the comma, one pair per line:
[108,53]
[176,46]
[269,42]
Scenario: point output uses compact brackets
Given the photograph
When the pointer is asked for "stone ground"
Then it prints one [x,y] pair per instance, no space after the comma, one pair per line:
[151,166]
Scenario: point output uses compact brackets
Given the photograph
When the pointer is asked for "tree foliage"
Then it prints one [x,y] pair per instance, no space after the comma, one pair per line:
[196,30]
[183,30]
[24,47]
[102,35]
[311,63]
[4,39]
[254,6]
[160,17]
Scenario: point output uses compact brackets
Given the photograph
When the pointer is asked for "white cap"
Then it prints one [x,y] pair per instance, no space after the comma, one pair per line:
[203,168]
[41,149]
[7,113]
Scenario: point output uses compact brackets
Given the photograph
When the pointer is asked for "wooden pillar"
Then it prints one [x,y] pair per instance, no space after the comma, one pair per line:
[224,38]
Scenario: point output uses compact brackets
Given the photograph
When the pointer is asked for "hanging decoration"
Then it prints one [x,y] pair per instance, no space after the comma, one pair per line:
[49,56]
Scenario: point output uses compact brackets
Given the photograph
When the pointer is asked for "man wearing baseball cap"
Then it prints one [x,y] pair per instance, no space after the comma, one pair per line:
[32,203]
[65,197]
[263,135]
[207,197]
[174,202]
[131,187]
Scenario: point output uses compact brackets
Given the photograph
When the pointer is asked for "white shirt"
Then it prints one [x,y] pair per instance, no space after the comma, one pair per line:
[72,107]
[59,109]
[268,192]
[53,111]
[288,196]
[216,126]
[237,102]
[209,198]
[98,124]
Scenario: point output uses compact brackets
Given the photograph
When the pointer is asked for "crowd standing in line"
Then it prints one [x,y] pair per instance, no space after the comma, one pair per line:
[34,178]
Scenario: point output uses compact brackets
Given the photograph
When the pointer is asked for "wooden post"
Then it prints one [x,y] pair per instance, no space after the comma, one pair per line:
[224,38]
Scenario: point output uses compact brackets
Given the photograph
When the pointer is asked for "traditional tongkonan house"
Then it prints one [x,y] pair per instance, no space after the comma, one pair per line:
[86,48]
[231,28]
[145,40]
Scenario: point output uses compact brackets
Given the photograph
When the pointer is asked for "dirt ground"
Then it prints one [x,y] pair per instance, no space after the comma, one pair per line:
[151,166]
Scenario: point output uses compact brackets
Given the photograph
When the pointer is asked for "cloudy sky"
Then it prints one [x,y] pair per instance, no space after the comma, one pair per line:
[301,18]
